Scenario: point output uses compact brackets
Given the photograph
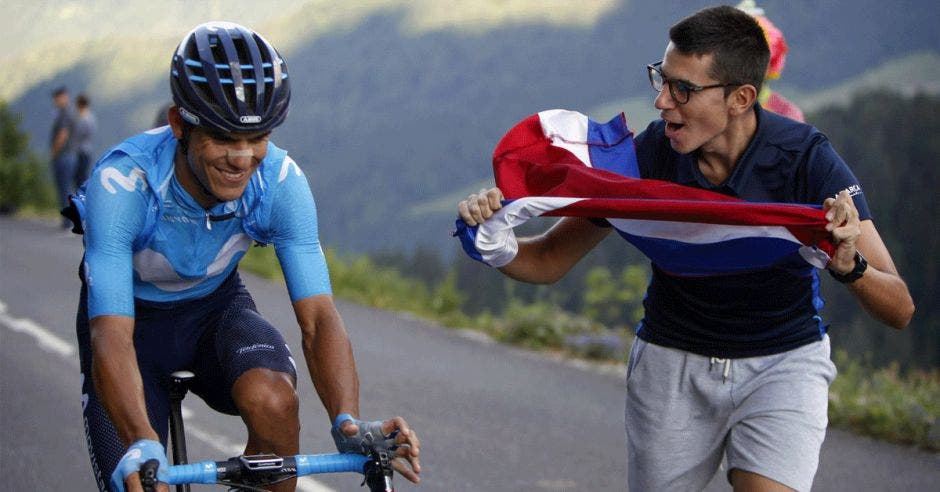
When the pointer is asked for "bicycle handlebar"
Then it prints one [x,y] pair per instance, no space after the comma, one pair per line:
[270,469]
[305,464]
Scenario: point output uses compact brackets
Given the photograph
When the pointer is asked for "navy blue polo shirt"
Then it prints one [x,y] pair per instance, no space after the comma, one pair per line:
[754,313]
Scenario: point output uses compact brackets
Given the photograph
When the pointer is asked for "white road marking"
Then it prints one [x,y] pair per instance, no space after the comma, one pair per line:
[50,342]
[44,338]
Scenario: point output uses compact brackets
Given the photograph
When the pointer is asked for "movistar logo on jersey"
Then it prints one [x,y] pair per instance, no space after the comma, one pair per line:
[250,119]
[111,176]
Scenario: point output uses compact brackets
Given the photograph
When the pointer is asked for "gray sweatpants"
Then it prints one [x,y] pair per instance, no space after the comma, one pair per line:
[684,412]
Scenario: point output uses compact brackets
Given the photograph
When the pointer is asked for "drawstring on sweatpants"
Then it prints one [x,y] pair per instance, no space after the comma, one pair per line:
[717,360]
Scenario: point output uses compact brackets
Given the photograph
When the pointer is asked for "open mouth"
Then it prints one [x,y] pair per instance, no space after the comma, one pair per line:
[674,127]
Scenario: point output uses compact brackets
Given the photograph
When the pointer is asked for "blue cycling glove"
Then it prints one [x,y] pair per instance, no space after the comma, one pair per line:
[368,438]
[139,453]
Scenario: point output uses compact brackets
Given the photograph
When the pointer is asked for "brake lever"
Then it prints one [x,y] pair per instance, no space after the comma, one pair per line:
[378,472]
[148,475]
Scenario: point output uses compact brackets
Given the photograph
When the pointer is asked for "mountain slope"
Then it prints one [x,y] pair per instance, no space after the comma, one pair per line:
[397,105]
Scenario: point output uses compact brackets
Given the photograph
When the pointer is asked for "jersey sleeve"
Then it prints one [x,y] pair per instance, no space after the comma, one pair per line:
[830,175]
[295,236]
[115,212]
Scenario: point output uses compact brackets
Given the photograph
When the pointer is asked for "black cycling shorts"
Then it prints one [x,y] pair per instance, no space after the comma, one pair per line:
[218,337]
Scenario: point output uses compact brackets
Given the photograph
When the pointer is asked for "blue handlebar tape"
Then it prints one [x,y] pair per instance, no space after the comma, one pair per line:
[330,463]
[202,472]
[205,472]
[342,418]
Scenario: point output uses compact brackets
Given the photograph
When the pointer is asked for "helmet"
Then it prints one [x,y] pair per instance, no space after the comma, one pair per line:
[227,77]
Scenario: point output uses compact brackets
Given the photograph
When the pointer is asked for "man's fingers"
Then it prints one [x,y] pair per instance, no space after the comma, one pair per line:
[480,206]
[494,196]
[407,468]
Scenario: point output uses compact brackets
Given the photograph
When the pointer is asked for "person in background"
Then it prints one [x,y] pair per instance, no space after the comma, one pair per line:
[768,98]
[62,150]
[86,125]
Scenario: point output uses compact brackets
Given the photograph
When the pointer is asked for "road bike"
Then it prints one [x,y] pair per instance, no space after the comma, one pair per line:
[254,472]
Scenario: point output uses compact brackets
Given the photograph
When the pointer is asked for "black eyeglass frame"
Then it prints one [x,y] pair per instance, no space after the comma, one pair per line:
[678,86]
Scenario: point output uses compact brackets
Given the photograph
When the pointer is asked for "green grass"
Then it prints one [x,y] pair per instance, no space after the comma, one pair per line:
[885,403]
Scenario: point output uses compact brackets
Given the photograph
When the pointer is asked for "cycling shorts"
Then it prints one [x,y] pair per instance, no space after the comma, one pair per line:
[218,337]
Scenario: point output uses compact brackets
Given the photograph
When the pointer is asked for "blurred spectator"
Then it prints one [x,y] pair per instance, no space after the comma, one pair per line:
[86,126]
[769,99]
[62,148]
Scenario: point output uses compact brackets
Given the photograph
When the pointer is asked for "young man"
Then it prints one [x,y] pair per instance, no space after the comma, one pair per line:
[734,365]
[167,216]
[86,125]
[62,147]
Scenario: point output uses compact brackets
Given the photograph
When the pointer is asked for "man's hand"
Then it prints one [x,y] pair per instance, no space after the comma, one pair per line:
[127,469]
[480,206]
[356,436]
[844,226]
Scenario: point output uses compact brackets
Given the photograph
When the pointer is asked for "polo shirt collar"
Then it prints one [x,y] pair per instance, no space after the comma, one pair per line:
[689,174]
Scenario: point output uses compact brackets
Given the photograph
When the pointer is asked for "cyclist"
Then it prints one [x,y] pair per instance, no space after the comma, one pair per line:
[764,406]
[167,215]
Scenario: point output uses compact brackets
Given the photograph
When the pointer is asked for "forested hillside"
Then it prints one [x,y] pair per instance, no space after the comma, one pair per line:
[397,105]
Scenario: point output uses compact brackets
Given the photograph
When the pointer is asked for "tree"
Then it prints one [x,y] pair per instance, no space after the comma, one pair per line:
[23,181]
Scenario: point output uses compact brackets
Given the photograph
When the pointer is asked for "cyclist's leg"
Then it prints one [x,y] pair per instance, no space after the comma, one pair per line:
[677,411]
[244,367]
[104,446]
[781,420]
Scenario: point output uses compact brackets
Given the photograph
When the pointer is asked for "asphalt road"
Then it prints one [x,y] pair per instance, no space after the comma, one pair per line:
[491,418]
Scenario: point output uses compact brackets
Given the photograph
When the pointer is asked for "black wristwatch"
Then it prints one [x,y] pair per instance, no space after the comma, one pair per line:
[861,264]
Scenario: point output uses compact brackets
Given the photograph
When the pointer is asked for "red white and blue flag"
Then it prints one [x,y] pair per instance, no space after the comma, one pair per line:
[560,163]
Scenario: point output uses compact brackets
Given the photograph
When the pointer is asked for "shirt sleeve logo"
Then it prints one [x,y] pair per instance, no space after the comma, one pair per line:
[111,176]
[286,167]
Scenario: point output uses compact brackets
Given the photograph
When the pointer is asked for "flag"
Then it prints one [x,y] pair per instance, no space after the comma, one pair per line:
[560,163]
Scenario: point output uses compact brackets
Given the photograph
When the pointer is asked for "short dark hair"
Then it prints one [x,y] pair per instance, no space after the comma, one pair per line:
[82,101]
[734,38]
[58,91]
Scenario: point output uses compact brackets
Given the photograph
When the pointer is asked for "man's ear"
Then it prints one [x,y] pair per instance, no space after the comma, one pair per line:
[742,99]
[175,120]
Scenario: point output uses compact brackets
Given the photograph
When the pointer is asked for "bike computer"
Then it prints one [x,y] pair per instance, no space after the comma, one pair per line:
[262,461]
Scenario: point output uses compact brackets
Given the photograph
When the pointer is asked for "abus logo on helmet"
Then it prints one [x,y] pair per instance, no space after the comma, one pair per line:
[250,119]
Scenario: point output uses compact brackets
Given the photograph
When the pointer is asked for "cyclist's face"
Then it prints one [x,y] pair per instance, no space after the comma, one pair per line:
[224,162]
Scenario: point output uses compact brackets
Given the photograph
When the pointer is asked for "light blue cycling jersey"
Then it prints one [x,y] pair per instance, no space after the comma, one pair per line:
[146,237]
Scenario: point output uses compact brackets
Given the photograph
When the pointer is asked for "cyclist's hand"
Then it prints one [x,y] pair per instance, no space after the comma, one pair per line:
[127,468]
[394,435]
[480,206]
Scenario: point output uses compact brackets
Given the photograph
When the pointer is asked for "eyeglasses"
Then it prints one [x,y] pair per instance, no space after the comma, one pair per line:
[680,90]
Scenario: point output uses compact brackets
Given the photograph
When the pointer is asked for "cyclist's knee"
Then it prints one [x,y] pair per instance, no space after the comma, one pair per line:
[263,393]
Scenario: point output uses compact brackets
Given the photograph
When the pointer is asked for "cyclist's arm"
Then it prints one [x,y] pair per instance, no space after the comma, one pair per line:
[116,207]
[328,354]
[117,378]
[326,347]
